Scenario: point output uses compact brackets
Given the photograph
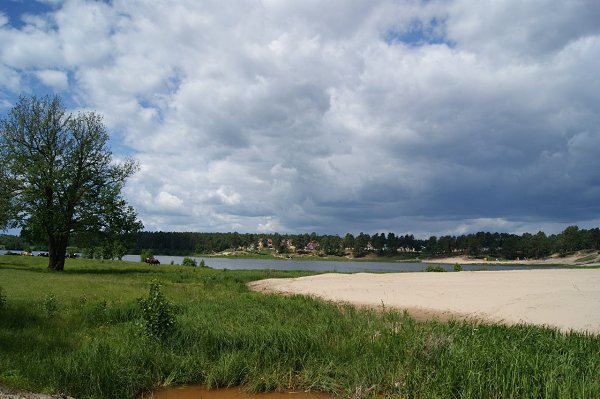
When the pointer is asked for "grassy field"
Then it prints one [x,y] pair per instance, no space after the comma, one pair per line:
[81,332]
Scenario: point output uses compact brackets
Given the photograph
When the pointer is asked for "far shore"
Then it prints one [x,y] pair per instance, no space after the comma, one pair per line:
[582,258]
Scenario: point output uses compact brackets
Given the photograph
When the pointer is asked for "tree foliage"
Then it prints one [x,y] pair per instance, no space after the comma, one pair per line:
[62,179]
[7,190]
[483,244]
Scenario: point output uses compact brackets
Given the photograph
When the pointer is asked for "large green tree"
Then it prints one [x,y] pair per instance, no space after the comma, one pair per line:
[6,194]
[62,178]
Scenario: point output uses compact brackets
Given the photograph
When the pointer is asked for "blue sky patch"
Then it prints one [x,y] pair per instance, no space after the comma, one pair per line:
[420,34]
[14,10]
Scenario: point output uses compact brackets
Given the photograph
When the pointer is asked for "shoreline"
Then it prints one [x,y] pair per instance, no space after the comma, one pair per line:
[554,260]
[569,260]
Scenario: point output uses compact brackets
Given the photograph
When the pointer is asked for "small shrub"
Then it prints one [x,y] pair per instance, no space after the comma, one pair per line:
[431,268]
[72,252]
[157,313]
[2,299]
[88,253]
[50,304]
[189,262]
[145,254]
[202,264]
[457,267]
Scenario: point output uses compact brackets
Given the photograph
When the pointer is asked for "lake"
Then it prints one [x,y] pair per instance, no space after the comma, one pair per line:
[327,266]
[320,265]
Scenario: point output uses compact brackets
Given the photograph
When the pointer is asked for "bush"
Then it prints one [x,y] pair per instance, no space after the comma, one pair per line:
[189,262]
[145,254]
[357,252]
[157,313]
[92,252]
[431,268]
[72,251]
[202,264]
[88,253]
[457,267]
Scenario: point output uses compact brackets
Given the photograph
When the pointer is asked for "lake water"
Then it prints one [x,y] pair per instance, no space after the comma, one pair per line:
[326,266]
[319,265]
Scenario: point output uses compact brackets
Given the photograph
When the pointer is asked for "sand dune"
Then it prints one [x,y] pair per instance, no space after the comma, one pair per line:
[567,299]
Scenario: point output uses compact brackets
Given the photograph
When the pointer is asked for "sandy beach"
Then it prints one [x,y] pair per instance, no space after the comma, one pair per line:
[582,258]
[566,299]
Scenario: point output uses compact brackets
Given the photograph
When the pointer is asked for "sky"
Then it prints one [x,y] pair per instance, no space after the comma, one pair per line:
[410,116]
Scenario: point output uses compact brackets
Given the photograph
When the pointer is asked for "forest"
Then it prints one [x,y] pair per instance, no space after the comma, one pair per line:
[481,244]
[500,245]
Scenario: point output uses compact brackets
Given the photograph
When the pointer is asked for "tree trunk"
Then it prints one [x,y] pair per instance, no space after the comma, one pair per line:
[56,253]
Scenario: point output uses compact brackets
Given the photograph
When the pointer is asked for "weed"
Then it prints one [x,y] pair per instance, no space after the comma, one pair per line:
[189,262]
[50,304]
[431,268]
[457,267]
[157,313]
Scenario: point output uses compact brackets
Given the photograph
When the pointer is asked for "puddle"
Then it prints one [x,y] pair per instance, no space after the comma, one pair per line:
[198,392]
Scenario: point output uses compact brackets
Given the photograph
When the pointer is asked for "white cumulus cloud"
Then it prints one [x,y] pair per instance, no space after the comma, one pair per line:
[55,79]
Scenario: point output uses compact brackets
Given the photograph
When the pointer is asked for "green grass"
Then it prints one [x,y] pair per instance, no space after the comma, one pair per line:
[587,258]
[90,343]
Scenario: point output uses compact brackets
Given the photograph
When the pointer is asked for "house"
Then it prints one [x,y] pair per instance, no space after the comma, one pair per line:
[311,246]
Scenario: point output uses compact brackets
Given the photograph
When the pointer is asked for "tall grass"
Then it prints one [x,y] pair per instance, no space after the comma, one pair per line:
[93,343]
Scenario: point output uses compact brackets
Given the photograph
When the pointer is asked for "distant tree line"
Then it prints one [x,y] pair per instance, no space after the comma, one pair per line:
[500,245]
[8,241]
[482,244]
[512,246]
[77,246]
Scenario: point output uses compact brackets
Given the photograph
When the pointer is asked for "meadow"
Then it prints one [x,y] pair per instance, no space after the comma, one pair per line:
[85,332]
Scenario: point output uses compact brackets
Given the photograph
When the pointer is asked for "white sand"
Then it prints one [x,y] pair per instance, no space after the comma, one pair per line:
[592,258]
[567,299]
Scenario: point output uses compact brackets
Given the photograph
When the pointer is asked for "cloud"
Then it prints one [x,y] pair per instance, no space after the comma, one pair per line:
[55,79]
[271,225]
[513,29]
[422,117]
[168,201]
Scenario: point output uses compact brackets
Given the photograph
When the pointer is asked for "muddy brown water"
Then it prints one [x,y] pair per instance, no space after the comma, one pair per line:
[199,392]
